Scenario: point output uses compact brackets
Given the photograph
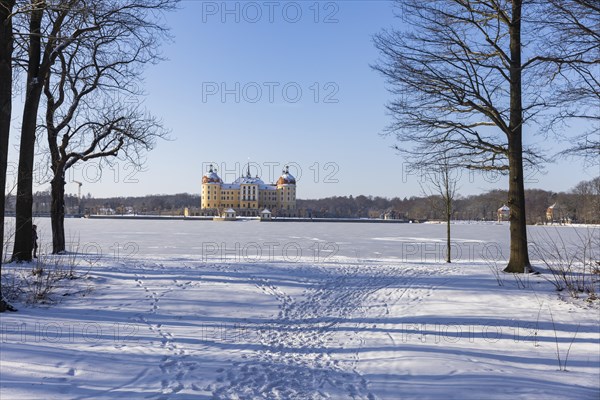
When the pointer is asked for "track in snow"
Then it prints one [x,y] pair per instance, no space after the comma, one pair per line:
[177,362]
[297,360]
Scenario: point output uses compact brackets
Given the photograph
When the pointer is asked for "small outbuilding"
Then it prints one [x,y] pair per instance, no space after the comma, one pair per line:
[227,215]
[503,213]
[265,215]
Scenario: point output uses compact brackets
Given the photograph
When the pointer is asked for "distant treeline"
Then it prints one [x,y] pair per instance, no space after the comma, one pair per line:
[581,205]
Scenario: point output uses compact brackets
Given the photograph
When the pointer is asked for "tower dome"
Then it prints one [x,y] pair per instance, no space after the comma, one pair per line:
[211,176]
[286,178]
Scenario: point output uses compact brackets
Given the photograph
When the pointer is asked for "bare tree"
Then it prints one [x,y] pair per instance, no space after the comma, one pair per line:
[113,132]
[462,85]
[442,181]
[92,95]
[6,81]
[50,29]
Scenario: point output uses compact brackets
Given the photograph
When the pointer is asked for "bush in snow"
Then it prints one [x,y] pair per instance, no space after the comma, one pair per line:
[574,266]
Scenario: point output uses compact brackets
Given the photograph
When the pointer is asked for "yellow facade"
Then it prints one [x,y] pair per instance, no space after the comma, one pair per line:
[248,195]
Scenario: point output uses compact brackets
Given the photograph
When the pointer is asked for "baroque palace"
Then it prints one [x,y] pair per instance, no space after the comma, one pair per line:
[248,195]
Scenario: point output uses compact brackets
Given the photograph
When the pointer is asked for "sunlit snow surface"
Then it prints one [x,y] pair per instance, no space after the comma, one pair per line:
[245,310]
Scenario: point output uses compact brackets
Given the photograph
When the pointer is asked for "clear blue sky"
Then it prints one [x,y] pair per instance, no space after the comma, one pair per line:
[261,53]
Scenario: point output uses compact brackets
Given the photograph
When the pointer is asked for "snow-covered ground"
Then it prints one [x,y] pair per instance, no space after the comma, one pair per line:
[244,310]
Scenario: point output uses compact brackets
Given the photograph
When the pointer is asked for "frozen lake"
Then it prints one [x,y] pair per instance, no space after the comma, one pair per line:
[158,318]
[252,241]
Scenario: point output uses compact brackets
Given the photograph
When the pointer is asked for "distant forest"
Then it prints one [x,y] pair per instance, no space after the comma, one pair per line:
[580,205]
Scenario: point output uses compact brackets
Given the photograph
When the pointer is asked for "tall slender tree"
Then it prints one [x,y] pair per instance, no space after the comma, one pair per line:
[41,54]
[6,81]
[442,180]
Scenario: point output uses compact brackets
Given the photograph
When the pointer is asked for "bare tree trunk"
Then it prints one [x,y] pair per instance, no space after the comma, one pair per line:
[6,49]
[23,243]
[519,256]
[57,213]
[448,201]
